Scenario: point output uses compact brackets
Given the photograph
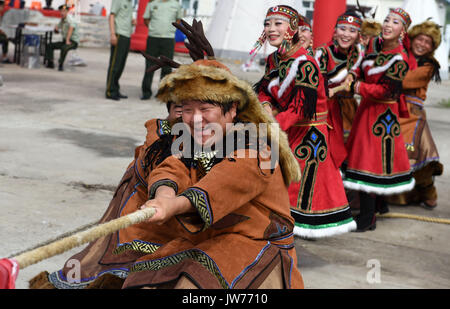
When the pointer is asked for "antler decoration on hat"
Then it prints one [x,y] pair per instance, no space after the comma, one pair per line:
[361,10]
[198,46]
[160,62]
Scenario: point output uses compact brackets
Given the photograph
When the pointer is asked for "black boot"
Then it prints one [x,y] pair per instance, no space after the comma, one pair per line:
[50,64]
[60,67]
[366,220]
[381,205]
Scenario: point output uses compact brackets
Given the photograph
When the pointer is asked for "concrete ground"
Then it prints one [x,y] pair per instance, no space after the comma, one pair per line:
[64,148]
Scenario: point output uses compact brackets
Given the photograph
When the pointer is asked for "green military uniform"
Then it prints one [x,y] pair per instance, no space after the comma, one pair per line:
[123,16]
[161,36]
[63,26]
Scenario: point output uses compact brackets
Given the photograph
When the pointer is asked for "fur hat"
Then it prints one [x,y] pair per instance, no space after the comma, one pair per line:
[428,28]
[209,80]
[370,28]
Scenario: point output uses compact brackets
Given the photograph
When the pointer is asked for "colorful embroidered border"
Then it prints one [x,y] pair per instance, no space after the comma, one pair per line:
[406,19]
[164,127]
[414,100]
[387,128]
[308,75]
[277,11]
[410,147]
[377,180]
[137,245]
[318,225]
[59,281]
[378,184]
[200,200]
[163,182]
[193,254]
[321,119]
[313,150]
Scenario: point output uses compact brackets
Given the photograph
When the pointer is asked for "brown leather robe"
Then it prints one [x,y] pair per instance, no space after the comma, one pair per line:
[98,258]
[241,231]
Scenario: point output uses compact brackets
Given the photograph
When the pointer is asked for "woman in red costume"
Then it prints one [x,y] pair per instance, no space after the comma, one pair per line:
[337,59]
[377,160]
[292,89]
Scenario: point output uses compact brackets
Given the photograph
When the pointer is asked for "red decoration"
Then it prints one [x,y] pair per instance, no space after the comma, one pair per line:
[324,19]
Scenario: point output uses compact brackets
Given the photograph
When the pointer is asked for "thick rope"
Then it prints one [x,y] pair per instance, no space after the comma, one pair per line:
[415,217]
[61,236]
[60,246]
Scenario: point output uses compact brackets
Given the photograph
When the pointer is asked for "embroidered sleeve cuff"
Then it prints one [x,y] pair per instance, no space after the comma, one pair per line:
[163,127]
[200,201]
[159,183]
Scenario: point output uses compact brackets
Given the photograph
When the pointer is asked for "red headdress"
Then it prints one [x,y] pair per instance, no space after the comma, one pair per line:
[287,14]
[406,19]
[347,19]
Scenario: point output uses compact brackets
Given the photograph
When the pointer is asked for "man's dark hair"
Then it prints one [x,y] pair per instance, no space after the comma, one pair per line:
[225,107]
[61,7]
[2,3]
[168,104]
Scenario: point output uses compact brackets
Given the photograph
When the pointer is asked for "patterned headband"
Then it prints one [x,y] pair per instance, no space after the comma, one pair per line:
[284,13]
[291,17]
[304,23]
[349,20]
[406,19]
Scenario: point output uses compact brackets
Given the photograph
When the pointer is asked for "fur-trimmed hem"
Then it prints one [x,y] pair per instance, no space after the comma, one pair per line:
[291,75]
[386,190]
[383,68]
[311,233]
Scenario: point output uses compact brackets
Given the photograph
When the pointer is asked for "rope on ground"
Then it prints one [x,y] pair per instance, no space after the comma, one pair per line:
[414,217]
[60,246]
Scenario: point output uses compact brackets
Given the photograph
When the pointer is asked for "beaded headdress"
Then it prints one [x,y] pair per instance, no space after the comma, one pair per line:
[287,14]
[406,19]
[346,19]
